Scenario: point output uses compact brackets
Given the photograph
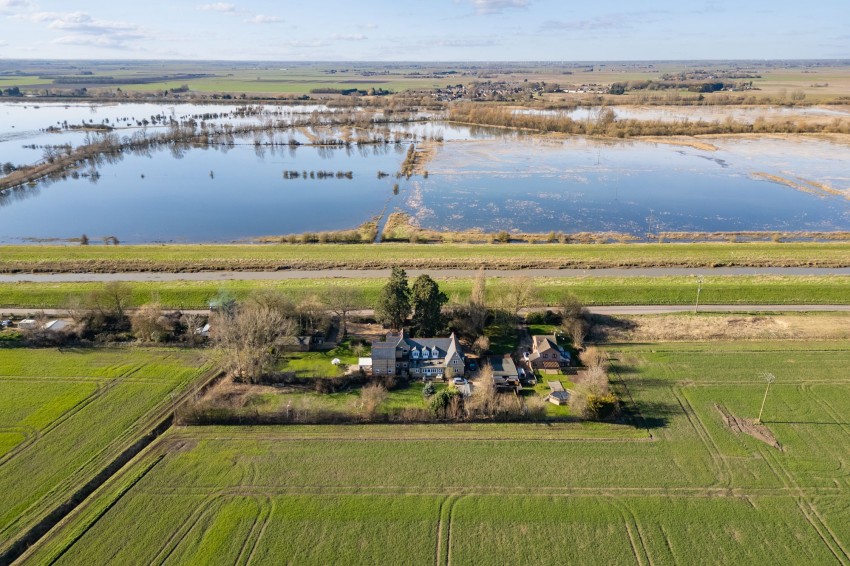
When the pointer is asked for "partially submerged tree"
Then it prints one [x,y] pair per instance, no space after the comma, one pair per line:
[393,306]
[428,302]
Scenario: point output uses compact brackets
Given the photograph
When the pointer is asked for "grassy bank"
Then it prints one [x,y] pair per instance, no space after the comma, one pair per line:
[177,258]
[592,291]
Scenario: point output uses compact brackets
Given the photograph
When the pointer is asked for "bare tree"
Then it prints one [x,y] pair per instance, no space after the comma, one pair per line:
[578,330]
[371,397]
[112,299]
[246,339]
[341,300]
[149,324]
[310,312]
[193,322]
[518,293]
[478,302]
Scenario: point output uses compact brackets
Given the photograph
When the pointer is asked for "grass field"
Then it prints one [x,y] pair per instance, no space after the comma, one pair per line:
[200,257]
[592,291]
[697,492]
[65,414]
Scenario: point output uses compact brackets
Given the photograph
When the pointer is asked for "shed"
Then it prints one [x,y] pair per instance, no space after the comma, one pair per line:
[559,397]
[57,325]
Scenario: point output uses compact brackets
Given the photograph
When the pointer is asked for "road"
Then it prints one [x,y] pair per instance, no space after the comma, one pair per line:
[439,273]
[614,310]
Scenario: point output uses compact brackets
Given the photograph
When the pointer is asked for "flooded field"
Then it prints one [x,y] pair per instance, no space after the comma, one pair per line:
[478,178]
[744,114]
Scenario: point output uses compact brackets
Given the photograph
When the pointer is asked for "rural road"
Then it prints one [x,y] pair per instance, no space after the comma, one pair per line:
[439,273]
[603,310]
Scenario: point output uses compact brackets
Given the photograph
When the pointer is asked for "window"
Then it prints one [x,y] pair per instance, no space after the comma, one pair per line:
[390,370]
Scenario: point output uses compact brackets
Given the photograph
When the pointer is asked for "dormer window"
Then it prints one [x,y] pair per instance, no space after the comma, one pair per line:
[425,353]
[435,353]
[414,353]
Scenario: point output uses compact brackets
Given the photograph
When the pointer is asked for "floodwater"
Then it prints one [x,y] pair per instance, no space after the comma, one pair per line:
[479,178]
[744,114]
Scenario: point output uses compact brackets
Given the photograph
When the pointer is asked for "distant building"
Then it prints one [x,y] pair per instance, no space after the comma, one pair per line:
[421,358]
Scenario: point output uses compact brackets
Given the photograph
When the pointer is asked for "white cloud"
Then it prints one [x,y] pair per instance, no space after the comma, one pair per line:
[82,29]
[92,40]
[263,19]
[485,7]
[12,7]
[348,37]
[3,43]
[218,7]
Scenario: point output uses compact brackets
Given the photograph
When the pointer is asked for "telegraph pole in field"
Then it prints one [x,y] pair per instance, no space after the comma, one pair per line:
[769,378]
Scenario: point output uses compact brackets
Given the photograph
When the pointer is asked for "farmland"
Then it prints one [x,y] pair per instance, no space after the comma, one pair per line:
[680,487]
[765,290]
[66,414]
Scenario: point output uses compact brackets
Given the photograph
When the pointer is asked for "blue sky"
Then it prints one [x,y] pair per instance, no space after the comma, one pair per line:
[458,30]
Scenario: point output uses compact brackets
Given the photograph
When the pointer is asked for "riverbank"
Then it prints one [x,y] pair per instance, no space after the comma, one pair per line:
[177,258]
[680,290]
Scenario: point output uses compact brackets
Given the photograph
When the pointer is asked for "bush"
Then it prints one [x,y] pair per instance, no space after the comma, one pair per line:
[441,402]
[428,390]
[601,407]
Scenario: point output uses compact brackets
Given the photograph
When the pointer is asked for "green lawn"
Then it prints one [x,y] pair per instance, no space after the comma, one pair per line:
[511,493]
[318,364]
[65,414]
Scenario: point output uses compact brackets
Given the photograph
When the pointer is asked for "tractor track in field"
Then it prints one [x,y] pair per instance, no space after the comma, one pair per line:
[806,507]
[636,540]
[724,474]
[264,519]
[173,542]
[440,491]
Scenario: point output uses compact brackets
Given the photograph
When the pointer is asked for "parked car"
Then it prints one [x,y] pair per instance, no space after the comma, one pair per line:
[5,323]
[459,381]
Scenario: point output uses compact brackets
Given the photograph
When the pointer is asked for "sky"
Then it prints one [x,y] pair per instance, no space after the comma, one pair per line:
[429,30]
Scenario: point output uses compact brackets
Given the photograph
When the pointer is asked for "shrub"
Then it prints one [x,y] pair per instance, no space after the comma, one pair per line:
[601,407]
[428,390]
[441,402]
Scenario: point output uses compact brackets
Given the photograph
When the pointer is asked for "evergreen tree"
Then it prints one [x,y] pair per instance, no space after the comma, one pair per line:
[393,306]
[428,301]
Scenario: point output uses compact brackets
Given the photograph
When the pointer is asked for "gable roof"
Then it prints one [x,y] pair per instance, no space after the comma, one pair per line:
[544,343]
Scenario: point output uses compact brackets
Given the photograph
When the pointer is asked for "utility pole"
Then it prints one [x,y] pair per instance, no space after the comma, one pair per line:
[769,378]
[699,290]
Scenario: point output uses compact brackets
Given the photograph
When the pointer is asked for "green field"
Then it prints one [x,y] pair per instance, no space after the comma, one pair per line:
[64,415]
[181,258]
[696,492]
[742,290]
